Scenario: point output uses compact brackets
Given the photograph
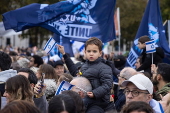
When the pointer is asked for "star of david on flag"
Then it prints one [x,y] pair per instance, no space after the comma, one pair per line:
[49,45]
[150,47]
[64,85]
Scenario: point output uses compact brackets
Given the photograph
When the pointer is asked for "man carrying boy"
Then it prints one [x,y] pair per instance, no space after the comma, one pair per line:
[147,58]
[98,73]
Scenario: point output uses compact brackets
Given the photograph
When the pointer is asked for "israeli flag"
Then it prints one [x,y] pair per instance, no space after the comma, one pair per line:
[150,47]
[49,45]
[64,85]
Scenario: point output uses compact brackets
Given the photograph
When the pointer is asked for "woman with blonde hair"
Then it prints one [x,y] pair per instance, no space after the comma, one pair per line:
[18,88]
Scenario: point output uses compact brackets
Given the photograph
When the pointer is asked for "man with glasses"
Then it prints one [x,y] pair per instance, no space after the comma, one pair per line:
[140,88]
[125,74]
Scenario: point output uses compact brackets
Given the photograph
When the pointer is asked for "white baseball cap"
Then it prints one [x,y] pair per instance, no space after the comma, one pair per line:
[140,81]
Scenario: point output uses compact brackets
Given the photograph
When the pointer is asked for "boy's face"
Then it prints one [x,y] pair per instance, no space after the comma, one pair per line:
[141,46]
[92,52]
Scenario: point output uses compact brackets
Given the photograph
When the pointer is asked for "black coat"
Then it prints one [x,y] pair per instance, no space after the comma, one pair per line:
[147,59]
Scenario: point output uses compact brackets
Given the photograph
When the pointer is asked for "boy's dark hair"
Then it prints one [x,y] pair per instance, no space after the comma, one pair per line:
[37,60]
[5,61]
[164,70]
[144,39]
[94,41]
[31,75]
[138,106]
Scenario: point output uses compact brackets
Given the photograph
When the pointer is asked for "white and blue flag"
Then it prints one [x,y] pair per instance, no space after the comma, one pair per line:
[64,85]
[49,45]
[150,47]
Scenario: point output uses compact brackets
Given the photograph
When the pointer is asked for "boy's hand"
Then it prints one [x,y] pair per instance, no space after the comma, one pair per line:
[90,94]
[61,49]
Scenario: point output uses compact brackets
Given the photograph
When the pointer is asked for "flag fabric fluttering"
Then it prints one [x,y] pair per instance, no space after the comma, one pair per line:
[64,42]
[150,46]
[151,25]
[77,47]
[49,45]
[74,19]
[64,85]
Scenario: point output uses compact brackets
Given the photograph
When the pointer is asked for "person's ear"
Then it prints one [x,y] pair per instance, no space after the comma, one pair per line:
[81,94]
[158,77]
[100,53]
[32,85]
[84,51]
[149,98]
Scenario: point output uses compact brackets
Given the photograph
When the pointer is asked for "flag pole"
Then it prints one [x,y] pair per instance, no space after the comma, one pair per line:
[118,18]
[169,31]
[152,58]
[61,43]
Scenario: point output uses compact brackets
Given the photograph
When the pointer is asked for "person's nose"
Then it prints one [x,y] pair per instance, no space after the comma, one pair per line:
[129,95]
[91,53]
[4,94]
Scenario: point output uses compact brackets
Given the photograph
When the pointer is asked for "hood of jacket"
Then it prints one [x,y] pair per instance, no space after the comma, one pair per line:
[4,75]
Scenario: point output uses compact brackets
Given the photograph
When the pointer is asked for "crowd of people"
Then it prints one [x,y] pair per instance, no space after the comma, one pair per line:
[102,83]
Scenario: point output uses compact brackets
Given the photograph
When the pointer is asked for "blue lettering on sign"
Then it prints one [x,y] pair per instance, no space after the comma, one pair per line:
[132,58]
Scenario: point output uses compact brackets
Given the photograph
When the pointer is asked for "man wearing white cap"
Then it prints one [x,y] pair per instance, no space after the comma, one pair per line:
[140,88]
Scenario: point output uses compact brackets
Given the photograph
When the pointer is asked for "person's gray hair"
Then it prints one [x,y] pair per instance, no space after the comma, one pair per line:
[128,72]
[83,83]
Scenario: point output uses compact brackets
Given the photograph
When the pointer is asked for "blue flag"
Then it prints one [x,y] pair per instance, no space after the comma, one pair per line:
[74,19]
[151,25]
[64,42]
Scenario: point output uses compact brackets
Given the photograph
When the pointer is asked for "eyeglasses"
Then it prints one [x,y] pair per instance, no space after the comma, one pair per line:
[134,93]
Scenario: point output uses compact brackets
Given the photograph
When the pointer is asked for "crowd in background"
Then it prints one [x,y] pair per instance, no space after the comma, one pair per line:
[143,89]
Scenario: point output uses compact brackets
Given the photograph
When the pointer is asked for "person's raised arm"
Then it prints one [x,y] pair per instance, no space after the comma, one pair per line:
[69,63]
